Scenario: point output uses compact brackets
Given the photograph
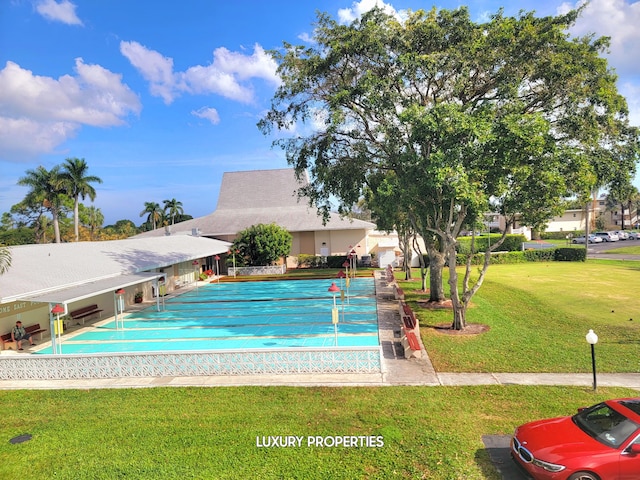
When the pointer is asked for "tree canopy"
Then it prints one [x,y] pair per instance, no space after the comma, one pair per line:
[458,118]
[262,244]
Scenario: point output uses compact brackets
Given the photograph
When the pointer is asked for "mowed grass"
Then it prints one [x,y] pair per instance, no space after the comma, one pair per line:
[430,433]
[631,250]
[539,314]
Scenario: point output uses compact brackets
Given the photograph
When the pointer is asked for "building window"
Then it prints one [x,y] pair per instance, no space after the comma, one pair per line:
[574,215]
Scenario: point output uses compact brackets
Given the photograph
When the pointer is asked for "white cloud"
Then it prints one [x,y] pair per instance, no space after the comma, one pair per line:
[631,92]
[228,75]
[207,113]
[155,68]
[39,113]
[305,37]
[64,12]
[618,19]
[348,15]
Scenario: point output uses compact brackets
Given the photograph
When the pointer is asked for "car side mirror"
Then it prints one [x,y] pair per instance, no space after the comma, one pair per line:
[634,448]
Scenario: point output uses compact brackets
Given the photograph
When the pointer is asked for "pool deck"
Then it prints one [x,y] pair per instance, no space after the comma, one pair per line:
[396,370]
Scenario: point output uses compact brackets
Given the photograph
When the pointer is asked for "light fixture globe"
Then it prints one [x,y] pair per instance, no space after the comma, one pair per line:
[591,337]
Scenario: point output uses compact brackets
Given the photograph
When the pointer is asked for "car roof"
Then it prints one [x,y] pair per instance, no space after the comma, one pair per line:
[629,406]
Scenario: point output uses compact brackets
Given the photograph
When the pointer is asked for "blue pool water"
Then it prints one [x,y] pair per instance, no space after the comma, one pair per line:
[243,315]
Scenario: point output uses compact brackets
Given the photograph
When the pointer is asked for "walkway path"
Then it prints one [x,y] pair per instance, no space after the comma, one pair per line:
[396,370]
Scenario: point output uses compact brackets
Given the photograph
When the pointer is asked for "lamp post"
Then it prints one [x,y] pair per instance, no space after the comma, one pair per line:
[196,265]
[57,310]
[217,257]
[341,276]
[119,305]
[334,311]
[592,339]
[233,252]
[346,279]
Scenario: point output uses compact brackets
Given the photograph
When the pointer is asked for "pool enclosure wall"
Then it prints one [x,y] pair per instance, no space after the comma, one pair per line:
[173,364]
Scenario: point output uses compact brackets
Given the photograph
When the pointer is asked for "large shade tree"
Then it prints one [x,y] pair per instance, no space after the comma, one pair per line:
[77,184]
[508,116]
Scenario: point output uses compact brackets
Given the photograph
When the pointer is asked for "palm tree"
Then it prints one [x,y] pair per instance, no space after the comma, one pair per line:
[77,184]
[93,219]
[173,208]
[5,259]
[154,213]
[45,188]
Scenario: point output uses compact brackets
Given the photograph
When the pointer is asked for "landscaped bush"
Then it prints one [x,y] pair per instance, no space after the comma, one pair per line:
[309,261]
[540,255]
[499,258]
[314,261]
[512,243]
[570,254]
[560,235]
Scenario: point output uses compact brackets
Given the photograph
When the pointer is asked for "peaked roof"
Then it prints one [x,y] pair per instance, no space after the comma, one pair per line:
[261,196]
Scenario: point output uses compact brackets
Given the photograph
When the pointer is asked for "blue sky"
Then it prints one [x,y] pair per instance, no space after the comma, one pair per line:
[160,98]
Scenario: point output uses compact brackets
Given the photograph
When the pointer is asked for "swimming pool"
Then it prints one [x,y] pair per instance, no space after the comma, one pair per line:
[240,316]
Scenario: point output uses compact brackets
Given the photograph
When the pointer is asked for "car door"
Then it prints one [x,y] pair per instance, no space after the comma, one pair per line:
[630,462]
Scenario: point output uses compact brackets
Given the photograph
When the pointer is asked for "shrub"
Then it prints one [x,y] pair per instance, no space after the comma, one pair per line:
[262,244]
[309,261]
[540,255]
[512,243]
[570,254]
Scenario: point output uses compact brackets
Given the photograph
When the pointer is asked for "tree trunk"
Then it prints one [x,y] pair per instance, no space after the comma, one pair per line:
[459,316]
[436,266]
[56,225]
[76,220]
[459,307]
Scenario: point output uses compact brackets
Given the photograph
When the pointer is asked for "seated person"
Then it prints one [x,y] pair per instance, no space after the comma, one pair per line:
[18,334]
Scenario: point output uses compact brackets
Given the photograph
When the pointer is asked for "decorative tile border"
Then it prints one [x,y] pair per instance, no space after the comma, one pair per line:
[201,363]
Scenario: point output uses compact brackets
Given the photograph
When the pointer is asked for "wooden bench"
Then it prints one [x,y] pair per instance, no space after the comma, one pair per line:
[409,322]
[413,342]
[84,312]
[32,329]
[399,293]
[406,311]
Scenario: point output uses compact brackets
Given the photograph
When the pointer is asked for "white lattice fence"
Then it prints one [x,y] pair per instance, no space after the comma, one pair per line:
[174,364]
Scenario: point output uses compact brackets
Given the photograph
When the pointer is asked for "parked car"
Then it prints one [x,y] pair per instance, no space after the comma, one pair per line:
[601,442]
[592,239]
[634,235]
[622,235]
[608,236]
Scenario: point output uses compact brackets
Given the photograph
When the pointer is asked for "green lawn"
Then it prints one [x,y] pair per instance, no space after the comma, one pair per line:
[631,250]
[539,314]
[211,433]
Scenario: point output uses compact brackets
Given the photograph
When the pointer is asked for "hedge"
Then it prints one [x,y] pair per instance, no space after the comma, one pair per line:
[560,254]
[314,261]
[512,243]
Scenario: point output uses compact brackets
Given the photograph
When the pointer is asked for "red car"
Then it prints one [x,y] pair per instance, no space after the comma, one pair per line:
[598,443]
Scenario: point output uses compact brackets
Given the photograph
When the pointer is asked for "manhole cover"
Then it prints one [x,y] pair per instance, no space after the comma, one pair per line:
[20,438]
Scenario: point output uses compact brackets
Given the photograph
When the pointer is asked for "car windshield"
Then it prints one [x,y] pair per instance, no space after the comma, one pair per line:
[605,424]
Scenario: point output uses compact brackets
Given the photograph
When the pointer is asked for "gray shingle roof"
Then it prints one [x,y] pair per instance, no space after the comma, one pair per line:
[38,269]
[261,196]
